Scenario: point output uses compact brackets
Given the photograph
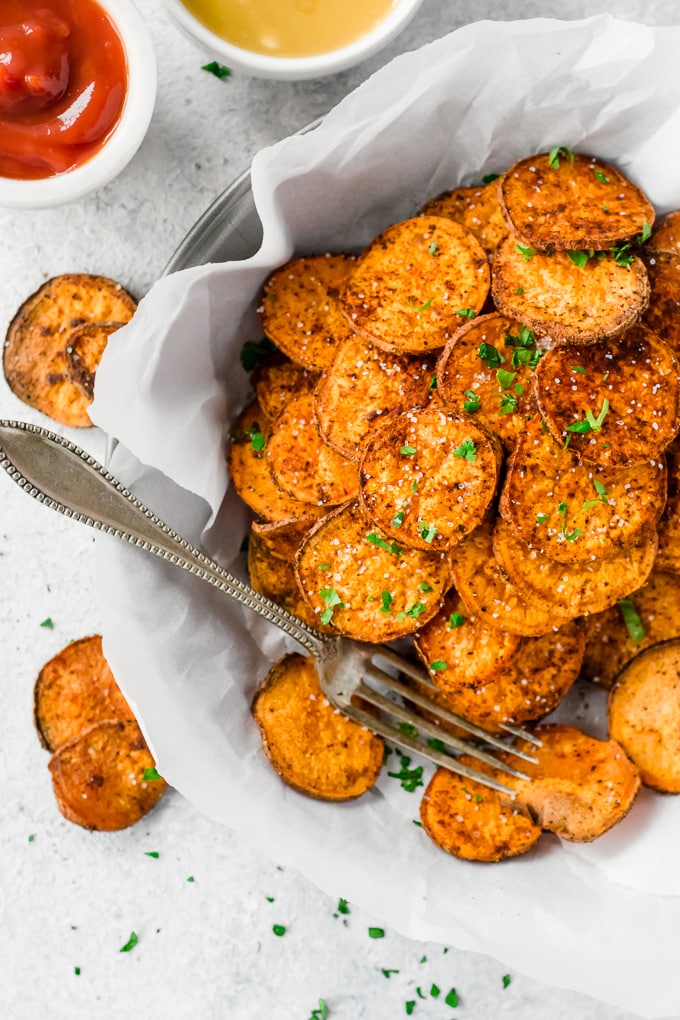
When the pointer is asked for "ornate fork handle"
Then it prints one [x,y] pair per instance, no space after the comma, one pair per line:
[65,478]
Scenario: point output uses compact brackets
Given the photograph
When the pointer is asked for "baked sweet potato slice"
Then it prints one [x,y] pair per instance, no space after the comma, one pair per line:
[98,777]
[284,538]
[486,370]
[617,635]
[473,649]
[580,786]
[618,403]
[365,586]
[562,200]
[469,820]
[84,349]
[274,577]
[34,357]
[249,471]
[643,711]
[410,286]
[362,386]
[575,512]
[300,312]
[666,234]
[476,208]
[661,316]
[277,380]
[75,690]
[668,556]
[573,589]
[428,477]
[313,747]
[489,595]
[554,296]
[302,464]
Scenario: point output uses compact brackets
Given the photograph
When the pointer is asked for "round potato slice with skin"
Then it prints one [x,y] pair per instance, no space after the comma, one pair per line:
[618,403]
[487,370]
[428,477]
[661,316]
[643,711]
[362,386]
[668,556]
[488,594]
[364,585]
[468,820]
[249,471]
[300,311]
[644,618]
[573,588]
[575,512]
[98,777]
[35,360]
[302,464]
[75,690]
[84,349]
[666,234]
[580,787]
[284,538]
[410,286]
[274,577]
[473,649]
[570,303]
[563,200]
[314,748]
[476,209]
[277,380]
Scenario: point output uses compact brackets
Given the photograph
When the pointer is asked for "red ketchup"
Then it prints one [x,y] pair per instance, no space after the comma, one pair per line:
[63,81]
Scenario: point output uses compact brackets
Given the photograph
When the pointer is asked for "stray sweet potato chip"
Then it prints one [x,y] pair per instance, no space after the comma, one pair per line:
[35,359]
[644,714]
[476,208]
[98,777]
[277,380]
[300,310]
[284,538]
[469,820]
[666,234]
[580,786]
[274,577]
[84,349]
[313,747]
[661,316]
[75,690]
[410,286]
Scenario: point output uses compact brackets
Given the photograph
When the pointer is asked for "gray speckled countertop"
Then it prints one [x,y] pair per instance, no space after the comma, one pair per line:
[69,899]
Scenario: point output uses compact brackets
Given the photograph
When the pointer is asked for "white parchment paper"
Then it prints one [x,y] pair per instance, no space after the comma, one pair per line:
[601,918]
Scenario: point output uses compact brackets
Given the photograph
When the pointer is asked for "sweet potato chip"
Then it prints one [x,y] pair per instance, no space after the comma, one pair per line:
[75,690]
[617,403]
[668,556]
[274,577]
[300,310]
[563,200]
[302,464]
[569,302]
[98,777]
[574,512]
[84,349]
[580,786]
[644,714]
[476,208]
[364,585]
[34,359]
[666,234]
[410,286]
[362,386]
[469,820]
[313,747]
[617,635]
[277,380]
[661,316]
[284,538]
[574,589]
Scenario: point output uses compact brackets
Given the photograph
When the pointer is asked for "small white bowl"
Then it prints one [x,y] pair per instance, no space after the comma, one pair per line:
[259,65]
[126,137]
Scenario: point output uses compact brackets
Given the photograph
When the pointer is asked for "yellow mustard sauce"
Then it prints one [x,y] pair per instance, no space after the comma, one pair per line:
[290,28]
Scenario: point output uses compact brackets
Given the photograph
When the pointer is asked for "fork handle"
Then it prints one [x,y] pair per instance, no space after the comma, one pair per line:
[66,479]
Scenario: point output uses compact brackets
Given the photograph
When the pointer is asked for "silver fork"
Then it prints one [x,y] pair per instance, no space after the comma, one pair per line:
[66,479]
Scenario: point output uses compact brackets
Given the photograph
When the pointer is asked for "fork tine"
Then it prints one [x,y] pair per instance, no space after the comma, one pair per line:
[517,732]
[404,666]
[445,715]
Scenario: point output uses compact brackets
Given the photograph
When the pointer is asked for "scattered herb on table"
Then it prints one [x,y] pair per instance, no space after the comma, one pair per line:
[218,70]
[130,944]
[376,933]
[48,622]
[279,929]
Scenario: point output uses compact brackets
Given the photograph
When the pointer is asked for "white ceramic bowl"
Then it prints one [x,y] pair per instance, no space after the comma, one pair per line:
[259,65]
[126,137]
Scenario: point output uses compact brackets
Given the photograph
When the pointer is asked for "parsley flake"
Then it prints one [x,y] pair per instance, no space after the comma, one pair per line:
[324,566]
[602,495]
[452,998]
[554,156]
[191,878]
[343,906]
[456,620]
[490,356]
[436,744]
[269,899]
[152,853]
[386,600]
[398,519]
[466,313]
[568,536]
[376,933]
[435,991]
[473,403]
[433,383]
[467,451]
[632,620]
[505,378]
[388,973]
[321,1013]
[414,485]
[434,248]
[508,403]
[526,251]
[76,971]
[410,779]
[426,531]
[542,518]
[424,586]
[279,929]
[31,838]
[253,353]
[506,980]
[622,255]
[645,234]
[408,729]
[520,290]
[407,451]
[578,368]
[602,178]
[410,1006]
[424,307]
[49,623]
[151,776]
[413,612]
[219,70]
[257,440]
[130,944]
[438,665]
[591,423]
[580,258]
[390,547]
[333,601]
[489,178]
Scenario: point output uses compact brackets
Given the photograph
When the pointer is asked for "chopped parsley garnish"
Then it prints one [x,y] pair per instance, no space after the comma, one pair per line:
[559,150]
[413,612]
[488,178]
[76,971]
[646,233]
[390,547]
[321,1013]
[152,853]
[433,249]
[426,531]
[436,744]
[376,933]
[605,208]
[269,899]
[424,307]
[526,251]
[130,944]
[414,485]
[253,353]
[622,255]
[48,622]
[424,586]
[508,403]
[520,290]
[387,972]
[602,178]
[580,258]
[410,1006]
[31,838]
[542,518]
[410,779]
[632,620]
[525,351]
[490,356]
[504,378]
[473,403]
[467,451]
[602,495]
[151,775]
[191,878]
[324,566]
[568,536]
[452,998]
[257,440]
[466,313]
[478,798]
[433,382]
[416,822]
[408,729]
[578,368]
[435,991]
[506,980]
[438,665]
[343,906]
[279,929]
[420,994]
[407,451]
[456,620]
[333,601]
[398,519]
[219,70]
[591,423]
[386,600]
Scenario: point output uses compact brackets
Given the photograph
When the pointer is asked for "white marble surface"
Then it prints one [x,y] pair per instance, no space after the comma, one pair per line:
[70,899]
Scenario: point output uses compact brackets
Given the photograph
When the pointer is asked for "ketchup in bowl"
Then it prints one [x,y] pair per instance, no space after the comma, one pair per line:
[63,82]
